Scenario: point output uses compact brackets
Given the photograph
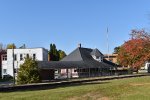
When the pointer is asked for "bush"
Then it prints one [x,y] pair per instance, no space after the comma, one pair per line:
[28,72]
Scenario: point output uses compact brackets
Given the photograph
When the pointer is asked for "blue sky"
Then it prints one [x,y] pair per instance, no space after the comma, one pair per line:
[37,23]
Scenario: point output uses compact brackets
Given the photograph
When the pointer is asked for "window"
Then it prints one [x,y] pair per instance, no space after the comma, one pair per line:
[56,71]
[16,70]
[75,70]
[101,58]
[4,57]
[4,71]
[15,57]
[97,57]
[21,57]
[27,55]
[34,56]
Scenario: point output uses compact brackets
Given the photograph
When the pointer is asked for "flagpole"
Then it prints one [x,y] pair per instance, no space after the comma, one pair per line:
[107,44]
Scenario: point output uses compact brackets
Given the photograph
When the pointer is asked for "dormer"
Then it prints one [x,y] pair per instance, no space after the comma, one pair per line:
[97,55]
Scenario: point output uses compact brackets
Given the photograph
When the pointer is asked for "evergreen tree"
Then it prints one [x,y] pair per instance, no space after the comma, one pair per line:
[54,54]
[28,72]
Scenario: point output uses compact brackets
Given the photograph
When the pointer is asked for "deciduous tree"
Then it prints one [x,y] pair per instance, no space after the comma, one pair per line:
[136,50]
[62,54]
[116,49]
[10,46]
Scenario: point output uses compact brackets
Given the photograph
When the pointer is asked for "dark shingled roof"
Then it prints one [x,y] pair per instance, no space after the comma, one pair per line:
[79,58]
[74,56]
[96,52]
[79,54]
[71,64]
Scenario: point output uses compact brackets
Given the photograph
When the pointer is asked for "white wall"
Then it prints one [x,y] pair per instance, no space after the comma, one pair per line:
[146,65]
[98,59]
[41,55]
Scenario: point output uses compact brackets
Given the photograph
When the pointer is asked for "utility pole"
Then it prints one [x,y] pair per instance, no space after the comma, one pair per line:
[13,64]
[107,44]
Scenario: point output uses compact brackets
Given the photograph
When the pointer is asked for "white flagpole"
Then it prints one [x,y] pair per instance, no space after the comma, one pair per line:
[107,44]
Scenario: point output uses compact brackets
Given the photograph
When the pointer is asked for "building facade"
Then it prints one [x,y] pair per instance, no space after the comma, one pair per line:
[81,62]
[39,54]
[2,52]
[111,57]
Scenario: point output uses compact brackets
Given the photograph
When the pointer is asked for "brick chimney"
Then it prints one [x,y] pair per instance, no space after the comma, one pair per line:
[79,45]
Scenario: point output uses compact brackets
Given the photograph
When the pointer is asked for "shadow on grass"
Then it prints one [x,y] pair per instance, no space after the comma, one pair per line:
[50,86]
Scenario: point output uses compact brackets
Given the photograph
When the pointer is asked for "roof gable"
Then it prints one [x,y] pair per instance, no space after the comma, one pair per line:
[73,56]
[79,54]
[96,52]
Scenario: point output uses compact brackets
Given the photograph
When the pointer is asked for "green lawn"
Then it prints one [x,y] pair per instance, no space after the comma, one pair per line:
[122,89]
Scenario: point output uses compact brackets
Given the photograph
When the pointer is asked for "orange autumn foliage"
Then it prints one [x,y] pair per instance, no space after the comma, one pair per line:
[136,50]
